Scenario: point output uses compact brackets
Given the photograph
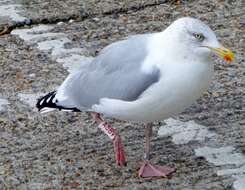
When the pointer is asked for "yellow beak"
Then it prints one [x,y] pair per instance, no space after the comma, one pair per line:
[223,52]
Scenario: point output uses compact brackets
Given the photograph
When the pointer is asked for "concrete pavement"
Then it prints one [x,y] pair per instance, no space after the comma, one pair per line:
[65,150]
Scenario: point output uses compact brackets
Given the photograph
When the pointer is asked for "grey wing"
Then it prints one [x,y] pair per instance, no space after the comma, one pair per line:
[115,73]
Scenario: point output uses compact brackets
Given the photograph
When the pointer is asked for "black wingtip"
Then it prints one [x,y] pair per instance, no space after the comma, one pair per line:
[48,101]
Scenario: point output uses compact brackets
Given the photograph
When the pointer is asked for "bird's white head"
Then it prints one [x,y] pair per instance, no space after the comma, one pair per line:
[192,38]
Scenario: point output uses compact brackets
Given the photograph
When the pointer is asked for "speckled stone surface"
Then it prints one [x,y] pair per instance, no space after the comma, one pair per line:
[66,150]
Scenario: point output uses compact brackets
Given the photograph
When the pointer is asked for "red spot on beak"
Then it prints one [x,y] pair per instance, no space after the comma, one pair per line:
[227,58]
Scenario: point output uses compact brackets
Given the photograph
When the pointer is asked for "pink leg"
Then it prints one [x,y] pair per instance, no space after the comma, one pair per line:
[147,169]
[114,136]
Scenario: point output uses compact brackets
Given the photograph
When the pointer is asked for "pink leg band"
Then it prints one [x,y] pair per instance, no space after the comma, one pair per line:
[107,129]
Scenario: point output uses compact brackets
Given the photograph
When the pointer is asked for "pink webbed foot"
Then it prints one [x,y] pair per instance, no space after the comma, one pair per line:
[150,170]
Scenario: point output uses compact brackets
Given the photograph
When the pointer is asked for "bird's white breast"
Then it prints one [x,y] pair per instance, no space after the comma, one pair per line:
[179,87]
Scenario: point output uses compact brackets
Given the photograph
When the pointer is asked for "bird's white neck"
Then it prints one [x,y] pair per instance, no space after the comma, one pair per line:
[163,46]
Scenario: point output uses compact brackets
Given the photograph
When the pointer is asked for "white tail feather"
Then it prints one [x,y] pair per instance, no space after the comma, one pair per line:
[46,110]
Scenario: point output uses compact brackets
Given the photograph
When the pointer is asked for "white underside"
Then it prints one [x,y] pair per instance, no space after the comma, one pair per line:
[178,88]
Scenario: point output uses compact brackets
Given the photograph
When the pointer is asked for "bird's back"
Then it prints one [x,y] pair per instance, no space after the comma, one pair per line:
[114,73]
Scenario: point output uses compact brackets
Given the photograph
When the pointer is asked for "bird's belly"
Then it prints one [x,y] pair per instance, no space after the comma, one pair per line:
[172,103]
[164,99]
[174,94]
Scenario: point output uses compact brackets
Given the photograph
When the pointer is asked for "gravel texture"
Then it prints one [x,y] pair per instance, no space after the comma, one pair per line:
[66,150]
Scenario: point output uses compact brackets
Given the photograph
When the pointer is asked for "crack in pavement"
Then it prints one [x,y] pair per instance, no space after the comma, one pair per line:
[21,21]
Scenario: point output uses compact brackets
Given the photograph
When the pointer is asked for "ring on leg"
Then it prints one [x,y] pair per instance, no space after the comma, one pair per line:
[116,139]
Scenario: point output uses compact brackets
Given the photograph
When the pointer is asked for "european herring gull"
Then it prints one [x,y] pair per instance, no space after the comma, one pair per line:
[144,78]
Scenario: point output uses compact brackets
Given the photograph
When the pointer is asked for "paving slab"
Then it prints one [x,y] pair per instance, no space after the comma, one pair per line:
[20,12]
[67,151]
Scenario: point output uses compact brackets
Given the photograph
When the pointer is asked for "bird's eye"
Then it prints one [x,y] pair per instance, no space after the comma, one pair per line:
[200,37]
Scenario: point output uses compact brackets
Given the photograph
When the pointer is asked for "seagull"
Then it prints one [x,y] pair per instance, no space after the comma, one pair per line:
[143,78]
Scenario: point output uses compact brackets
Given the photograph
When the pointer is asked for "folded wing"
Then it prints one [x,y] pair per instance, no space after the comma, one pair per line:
[115,73]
